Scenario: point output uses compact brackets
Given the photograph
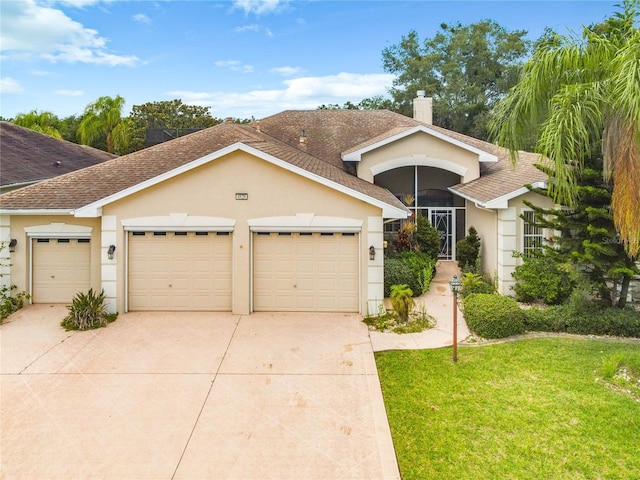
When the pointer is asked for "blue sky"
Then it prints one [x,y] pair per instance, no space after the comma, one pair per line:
[242,58]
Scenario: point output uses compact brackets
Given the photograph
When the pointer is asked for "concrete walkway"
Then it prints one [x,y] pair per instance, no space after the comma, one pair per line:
[438,302]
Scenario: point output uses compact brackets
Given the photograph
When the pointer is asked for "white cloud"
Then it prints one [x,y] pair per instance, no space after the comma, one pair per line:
[29,28]
[286,71]
[248,28]
[235,66]
[298,93]
[258,7]
[69,93]
[10,85]
[141,18]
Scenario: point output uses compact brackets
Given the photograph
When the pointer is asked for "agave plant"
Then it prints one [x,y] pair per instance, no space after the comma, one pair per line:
[87,311]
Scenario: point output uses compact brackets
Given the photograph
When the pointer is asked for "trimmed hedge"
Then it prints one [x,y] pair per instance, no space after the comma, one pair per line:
[493,316]
[597,320]
[414,269]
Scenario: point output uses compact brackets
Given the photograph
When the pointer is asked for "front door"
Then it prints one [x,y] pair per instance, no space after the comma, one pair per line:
[443,219]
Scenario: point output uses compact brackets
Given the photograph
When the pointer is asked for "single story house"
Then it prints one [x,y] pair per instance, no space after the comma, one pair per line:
[27,157]
[287,213]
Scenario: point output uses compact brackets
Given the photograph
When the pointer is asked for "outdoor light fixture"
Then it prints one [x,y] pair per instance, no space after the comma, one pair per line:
[12,245]
[372,252]
[455,285]
[111,251]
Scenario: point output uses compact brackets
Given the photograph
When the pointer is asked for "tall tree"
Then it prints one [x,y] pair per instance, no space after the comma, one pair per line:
[171,114]
[575,94]
[43,122]
[103,119]
[466,69]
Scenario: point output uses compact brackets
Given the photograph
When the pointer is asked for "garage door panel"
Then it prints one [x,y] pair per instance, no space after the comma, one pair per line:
[179,272]
[60,269]
[319,273]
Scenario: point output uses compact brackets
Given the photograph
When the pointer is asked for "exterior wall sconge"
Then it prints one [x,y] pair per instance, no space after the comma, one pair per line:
[111,251]
[12,245]
[372,252]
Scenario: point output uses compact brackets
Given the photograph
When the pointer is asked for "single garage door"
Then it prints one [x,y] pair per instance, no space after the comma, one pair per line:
[305,272]
[179,271]
[61,268]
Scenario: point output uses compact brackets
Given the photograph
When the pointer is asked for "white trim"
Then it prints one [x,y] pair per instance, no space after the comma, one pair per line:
[357,155]
[502,201]
[179,222]
[420,161]
[92,209]
[305,222]
[58,230]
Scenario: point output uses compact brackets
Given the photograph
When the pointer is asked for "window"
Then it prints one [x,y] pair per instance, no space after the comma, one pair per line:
[532,234]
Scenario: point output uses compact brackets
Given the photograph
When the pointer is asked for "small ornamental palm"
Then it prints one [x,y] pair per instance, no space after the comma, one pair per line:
[402,301]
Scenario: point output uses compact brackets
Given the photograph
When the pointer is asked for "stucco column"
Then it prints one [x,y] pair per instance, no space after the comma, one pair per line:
[109,268]
[375,268]
[507,244]
[241,267]
[5,256]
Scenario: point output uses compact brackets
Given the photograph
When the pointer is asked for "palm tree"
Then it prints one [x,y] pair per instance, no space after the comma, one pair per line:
[578,94]
[103,118]
[43,122]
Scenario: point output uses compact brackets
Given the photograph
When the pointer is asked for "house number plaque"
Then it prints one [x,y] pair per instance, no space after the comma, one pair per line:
[242,196]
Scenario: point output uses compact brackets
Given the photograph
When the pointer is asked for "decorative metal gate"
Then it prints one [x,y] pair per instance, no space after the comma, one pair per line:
[443,219]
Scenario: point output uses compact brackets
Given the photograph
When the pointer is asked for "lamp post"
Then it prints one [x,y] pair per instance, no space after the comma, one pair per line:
[455,285]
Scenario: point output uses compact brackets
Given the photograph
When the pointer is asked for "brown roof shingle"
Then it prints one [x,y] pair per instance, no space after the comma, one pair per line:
[27,156]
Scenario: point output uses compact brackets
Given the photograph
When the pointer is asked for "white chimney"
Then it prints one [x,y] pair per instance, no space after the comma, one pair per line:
[423,108]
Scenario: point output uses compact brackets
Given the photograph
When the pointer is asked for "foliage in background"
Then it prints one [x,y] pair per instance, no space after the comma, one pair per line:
[87,311]
[493,316]
[587,237]
[43,122]
[103,120]
[544,277]
[575,94]
[465,68]
[402,301]
[468,251]
[475,283]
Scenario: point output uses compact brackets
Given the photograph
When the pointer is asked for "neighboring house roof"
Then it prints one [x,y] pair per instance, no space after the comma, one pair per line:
[105,182]
[27,156]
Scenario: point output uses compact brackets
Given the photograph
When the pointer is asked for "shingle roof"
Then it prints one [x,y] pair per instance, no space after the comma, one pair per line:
[27,156]
[84,187]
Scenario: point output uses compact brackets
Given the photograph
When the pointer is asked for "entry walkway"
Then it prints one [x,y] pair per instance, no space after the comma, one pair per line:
[438,302]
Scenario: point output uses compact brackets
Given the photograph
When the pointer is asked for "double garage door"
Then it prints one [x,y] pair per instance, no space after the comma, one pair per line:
[183,271]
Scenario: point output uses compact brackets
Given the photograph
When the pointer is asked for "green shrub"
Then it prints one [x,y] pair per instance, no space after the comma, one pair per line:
[402,301]
[493,316]
[397,272]
[468,251]
[87,311]
[474,283]
[422,267]
[427,237]
[11,302]
[541,278]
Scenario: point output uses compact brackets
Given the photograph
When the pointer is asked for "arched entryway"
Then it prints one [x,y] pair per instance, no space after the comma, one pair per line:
[426,188]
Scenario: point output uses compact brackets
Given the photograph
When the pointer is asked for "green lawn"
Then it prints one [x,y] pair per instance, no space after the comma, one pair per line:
[532,409]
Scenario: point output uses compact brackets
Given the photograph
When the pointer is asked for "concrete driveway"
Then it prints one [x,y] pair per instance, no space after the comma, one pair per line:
[192,396]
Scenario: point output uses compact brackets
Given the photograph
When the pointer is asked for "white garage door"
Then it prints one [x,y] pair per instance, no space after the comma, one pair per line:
[179,271]
[305,272]
[61,269]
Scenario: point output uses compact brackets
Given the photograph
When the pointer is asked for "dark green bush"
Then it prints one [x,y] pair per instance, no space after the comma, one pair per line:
[87,311]
[397,272]
[11,302]
[468,251]
[493,316]
[427,237]
[595,320]
[541,278]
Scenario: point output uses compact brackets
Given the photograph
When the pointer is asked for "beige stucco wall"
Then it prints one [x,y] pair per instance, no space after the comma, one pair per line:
[420,149]
[20,267]
[210,190]
[486,224]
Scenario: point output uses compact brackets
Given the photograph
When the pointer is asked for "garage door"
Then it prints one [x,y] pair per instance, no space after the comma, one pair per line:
[61,268]
[179,271]
[305,272]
